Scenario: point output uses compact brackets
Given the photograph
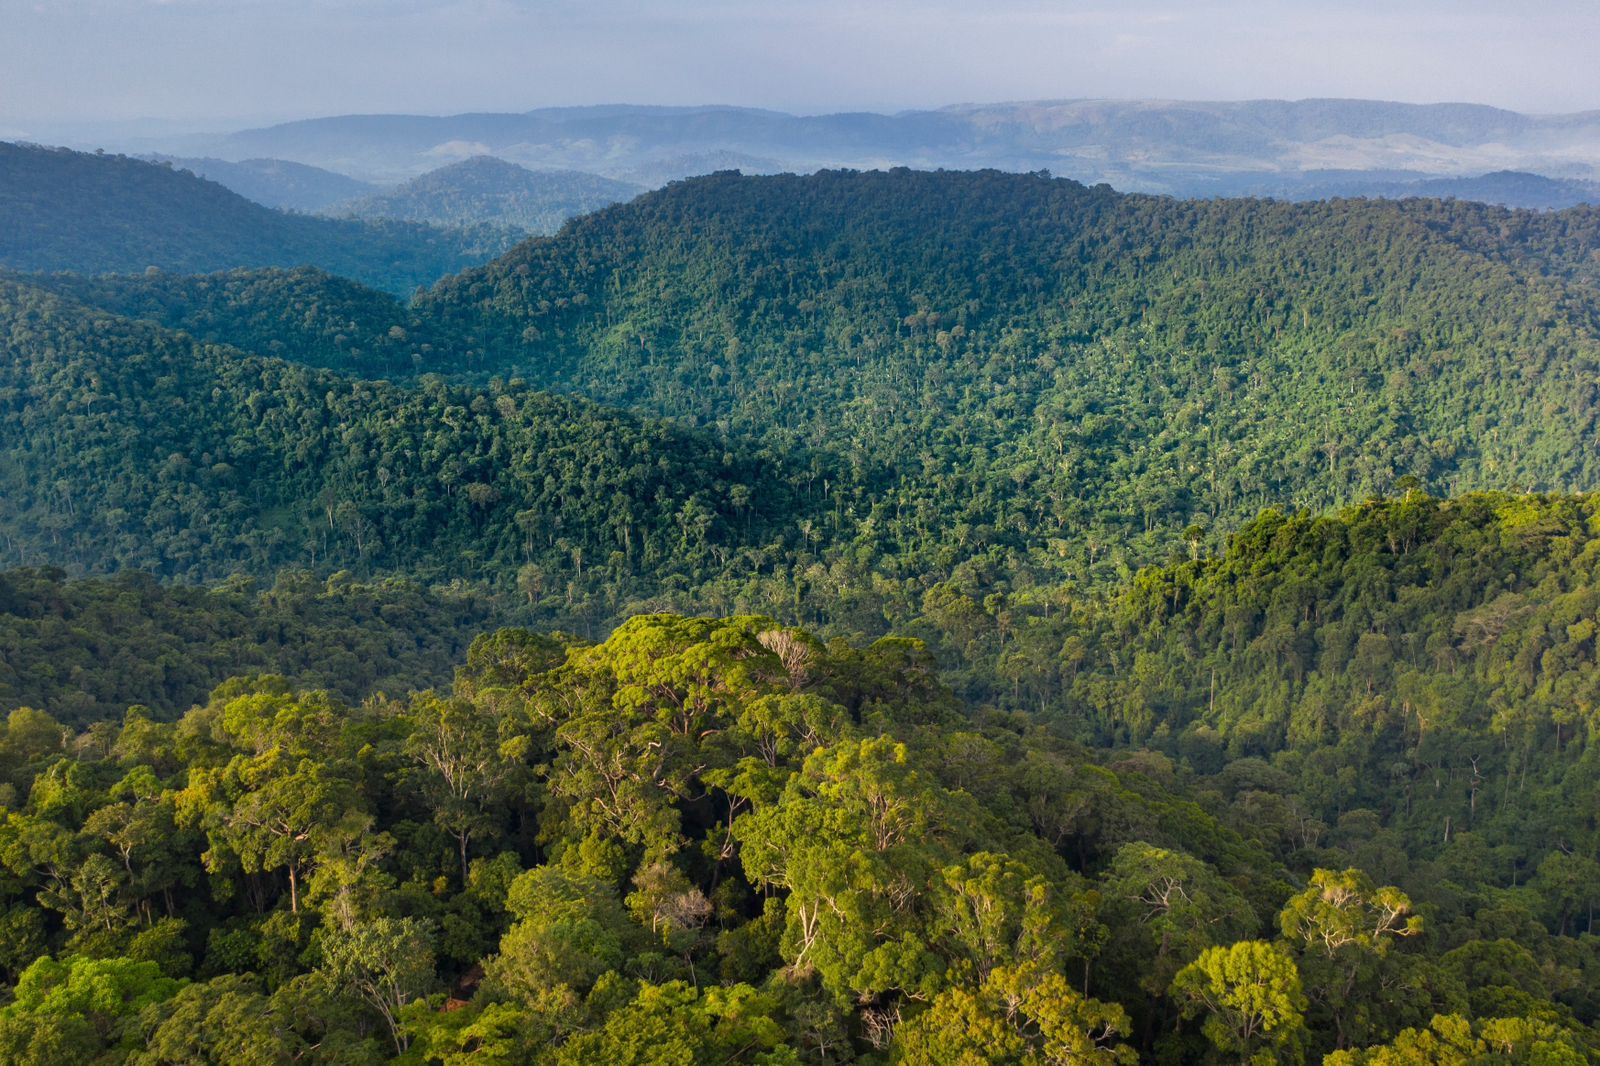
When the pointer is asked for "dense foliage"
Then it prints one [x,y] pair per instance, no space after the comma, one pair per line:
[1006,381]
[1431,663]
[84,651]
[125,445]
[724,841]
[1051,367]
[64,210]
[304,316]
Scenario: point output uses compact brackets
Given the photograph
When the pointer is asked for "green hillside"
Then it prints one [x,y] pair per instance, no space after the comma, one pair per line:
[993,384]
[126,445]
[1037,361]
[1434,632]
[304,315]
[93,214]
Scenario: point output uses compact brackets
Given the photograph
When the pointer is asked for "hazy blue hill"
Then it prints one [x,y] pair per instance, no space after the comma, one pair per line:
[595,139]
[93,213]
[484,190]
[1506,187]
[1253,124]
[659,170]
[276,182]
[1170,146]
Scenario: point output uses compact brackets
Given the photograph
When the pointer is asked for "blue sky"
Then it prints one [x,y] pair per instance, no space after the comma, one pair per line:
[223,63]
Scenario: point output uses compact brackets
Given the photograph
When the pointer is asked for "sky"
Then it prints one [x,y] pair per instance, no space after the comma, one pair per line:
[222,64]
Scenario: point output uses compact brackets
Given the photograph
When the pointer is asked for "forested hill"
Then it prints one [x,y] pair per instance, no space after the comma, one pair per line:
[124,445]
[1040,357]
[276,182]
[65,210]
[302,315]
[486,190]
[1431,646]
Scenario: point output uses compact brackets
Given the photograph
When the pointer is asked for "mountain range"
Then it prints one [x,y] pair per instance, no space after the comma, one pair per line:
[276,182]
[1180,147]
[1506,188]
[101,213]
[484,190]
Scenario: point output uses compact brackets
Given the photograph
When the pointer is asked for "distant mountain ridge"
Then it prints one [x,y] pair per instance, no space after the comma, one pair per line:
[1508,188]
[276,182]
[485,190]
[62,210]
[1179,147]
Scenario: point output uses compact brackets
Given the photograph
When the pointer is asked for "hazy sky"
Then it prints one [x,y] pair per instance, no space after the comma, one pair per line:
[222,63]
